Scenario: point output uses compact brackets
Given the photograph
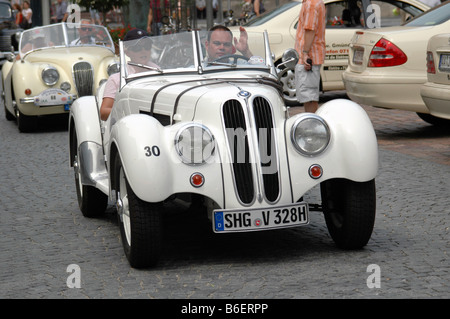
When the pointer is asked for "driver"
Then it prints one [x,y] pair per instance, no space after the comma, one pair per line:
[86,33]
[139,53]
[220,43]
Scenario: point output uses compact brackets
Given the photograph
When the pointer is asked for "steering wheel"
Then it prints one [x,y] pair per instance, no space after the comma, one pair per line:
[235,58]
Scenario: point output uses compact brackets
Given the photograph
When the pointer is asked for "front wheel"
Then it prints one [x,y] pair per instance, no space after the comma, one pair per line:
[140,223]
[349,209]
[26,123]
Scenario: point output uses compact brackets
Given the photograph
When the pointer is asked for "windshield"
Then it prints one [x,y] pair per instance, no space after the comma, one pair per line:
[62,34]
[193,52]
[435,16]
[270,15]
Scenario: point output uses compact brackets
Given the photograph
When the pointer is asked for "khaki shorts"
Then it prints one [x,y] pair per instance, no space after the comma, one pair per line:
[307,83]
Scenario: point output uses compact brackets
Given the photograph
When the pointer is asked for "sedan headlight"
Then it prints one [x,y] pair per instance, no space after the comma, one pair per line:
[113,68]
[194,144]
[50,76]
[310,135]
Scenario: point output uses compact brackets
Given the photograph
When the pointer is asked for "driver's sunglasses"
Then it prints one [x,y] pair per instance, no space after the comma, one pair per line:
[225,44]
[86,29]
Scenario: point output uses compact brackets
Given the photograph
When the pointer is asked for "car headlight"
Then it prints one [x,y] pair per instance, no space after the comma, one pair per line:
[310,135]
[50,76]
[194,144]
[113,68]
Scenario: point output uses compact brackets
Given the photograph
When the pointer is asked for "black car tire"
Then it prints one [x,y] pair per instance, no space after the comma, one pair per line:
[349,208]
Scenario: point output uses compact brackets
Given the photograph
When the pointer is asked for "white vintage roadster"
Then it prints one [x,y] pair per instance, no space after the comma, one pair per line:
[185,124]
[55,65]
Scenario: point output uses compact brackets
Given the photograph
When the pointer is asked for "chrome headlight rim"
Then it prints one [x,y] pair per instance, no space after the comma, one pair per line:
[323,146]
[179,151]
[112,68]
[54,78]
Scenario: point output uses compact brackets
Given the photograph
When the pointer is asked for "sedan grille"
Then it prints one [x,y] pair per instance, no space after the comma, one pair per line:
[84,78]
[238,143]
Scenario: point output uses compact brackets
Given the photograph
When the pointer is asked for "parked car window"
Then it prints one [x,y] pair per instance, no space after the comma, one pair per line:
[395,13]
[270,15]
[5,11]
[435,16]
[344,14]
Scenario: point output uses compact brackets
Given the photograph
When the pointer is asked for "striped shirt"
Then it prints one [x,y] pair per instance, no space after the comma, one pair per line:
[312,17]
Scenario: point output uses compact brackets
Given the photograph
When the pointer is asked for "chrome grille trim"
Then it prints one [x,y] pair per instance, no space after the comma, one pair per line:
[83,75]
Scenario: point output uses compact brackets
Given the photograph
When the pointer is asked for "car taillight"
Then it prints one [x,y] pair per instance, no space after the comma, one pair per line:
[430,63]
[386,53]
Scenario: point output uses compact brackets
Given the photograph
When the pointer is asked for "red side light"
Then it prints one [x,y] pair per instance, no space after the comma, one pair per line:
[315,171]
[27,92]
[197,180]
[430,63]
[385,53]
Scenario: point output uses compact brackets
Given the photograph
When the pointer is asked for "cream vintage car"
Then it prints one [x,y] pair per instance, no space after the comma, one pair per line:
[343,18]
[219,131]
[436,91]
[388,66]
[56,64]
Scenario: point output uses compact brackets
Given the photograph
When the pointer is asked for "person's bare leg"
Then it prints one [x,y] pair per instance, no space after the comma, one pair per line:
[311,106]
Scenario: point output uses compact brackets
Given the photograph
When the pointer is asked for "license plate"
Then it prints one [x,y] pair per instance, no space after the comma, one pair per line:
[242,220]
[358,55]
[53,97]
[444,63]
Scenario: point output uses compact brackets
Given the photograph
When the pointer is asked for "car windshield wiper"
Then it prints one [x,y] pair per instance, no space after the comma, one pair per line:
[233,65]
[146,67]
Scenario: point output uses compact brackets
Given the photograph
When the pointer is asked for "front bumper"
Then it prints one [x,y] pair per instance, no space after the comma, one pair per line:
[50,97]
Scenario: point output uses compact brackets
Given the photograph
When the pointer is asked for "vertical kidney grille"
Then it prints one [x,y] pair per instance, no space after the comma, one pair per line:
[84,78]
[234,120]
[267,150]
[236,129]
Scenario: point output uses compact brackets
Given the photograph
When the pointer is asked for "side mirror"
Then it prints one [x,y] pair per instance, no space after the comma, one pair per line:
[289,59]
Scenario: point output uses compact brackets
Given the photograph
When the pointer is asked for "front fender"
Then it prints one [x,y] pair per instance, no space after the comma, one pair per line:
[354,147]
[139,140]
[85,117]
[151,164]
[351,154]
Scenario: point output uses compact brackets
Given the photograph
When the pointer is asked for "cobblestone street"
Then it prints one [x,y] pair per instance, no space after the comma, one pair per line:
[42,231]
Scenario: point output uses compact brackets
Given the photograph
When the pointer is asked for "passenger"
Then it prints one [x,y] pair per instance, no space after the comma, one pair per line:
[139,53]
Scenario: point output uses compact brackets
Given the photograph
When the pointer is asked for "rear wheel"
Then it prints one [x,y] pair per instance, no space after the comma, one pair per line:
[349,209]
[92,201]
[140,223]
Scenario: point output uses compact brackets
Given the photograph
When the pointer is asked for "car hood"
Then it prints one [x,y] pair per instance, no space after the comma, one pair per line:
[195,98]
